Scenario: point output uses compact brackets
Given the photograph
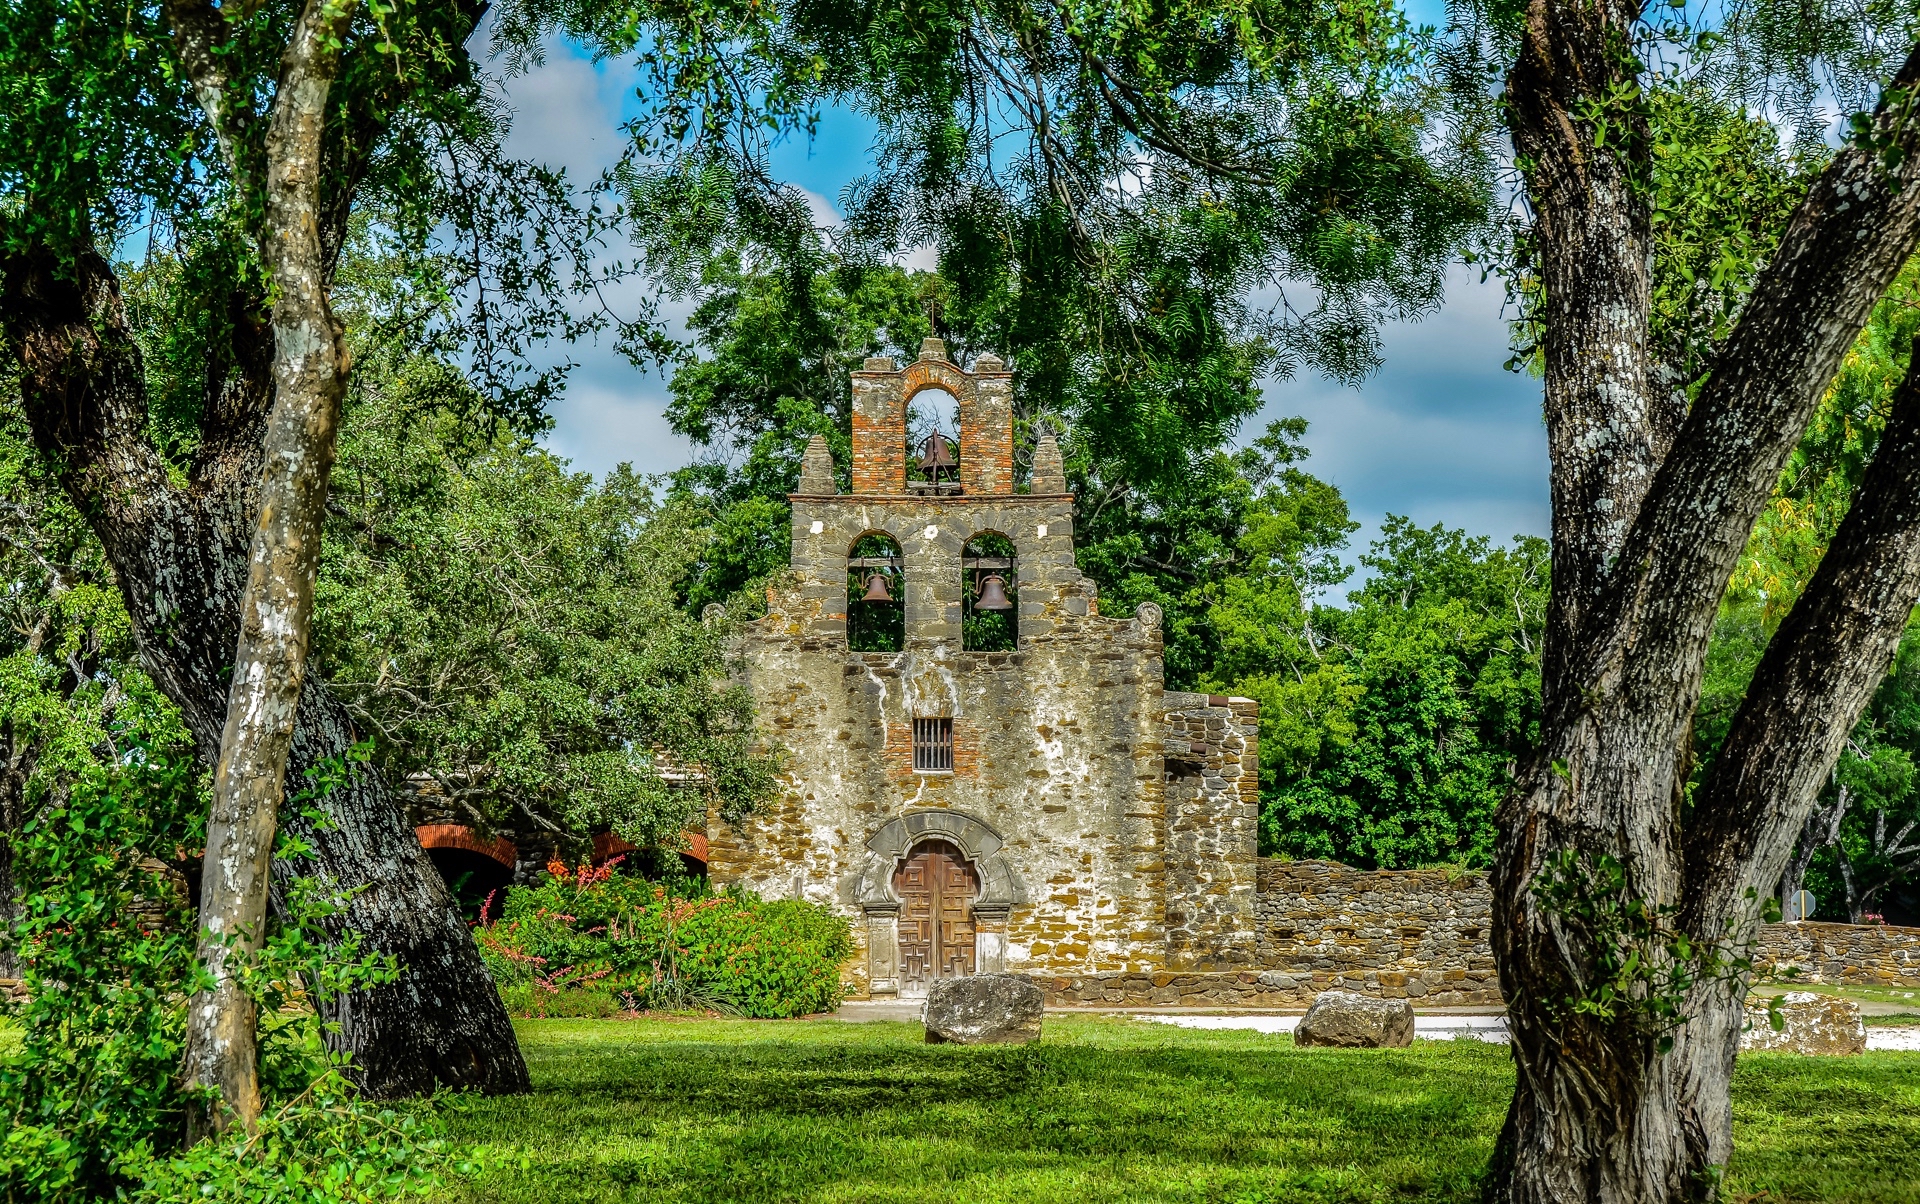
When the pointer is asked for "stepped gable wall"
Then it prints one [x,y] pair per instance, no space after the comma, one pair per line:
[1211,746]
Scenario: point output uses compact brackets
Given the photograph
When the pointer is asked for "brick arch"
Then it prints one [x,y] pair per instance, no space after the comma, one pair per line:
[881,394]
[607,845]
[922,375]
[459,836]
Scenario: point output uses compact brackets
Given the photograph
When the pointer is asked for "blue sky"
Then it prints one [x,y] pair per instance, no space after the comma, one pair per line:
[1441,433]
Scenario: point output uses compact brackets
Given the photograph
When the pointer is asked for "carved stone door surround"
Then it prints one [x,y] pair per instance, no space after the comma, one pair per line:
[888,848]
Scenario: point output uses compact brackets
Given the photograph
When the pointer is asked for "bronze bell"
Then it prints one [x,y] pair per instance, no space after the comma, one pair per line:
[877,589]
[936,459]
[993,594]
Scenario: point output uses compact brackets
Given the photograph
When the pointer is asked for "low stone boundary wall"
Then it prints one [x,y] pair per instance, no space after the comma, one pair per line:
[1424,934]
[1417,934]
[1269,990]
[1874,955]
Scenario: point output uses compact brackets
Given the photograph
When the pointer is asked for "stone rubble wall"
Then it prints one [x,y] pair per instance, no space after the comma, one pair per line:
[1268,990]
[1398,934]
[1212,750]
[1425,934]
[1878,955]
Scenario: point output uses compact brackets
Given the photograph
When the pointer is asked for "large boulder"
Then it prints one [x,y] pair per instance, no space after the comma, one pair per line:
[1349,1021]
[983,1009]
[1816,1024]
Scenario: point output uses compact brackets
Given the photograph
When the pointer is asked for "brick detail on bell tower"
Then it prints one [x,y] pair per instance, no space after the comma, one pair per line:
[879,430]
[986,429]
[881,394]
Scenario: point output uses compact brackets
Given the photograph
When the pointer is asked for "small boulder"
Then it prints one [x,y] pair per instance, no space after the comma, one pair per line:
[1816,1024]
[1349,1021]
[983,1009]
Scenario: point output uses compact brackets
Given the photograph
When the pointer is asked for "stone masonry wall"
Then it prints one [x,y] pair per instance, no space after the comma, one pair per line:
[1425,934]
[1212,750]
[1058,757]
[1418,934]
[1857,954]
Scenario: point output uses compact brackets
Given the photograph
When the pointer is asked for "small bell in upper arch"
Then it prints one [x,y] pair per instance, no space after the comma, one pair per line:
[993,594]
[936,459]
[877,589]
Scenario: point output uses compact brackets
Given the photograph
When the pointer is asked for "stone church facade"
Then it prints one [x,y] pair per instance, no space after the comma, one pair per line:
[1050,809]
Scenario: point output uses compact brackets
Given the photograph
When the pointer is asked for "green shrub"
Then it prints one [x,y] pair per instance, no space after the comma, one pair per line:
[89,1093]
[581,1003]
[588,933]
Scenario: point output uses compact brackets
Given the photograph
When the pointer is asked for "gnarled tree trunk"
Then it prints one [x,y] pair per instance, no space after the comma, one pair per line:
[1652,506]
[180,554]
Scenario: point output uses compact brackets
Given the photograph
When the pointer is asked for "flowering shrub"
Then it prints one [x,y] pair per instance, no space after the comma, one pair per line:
[586,938]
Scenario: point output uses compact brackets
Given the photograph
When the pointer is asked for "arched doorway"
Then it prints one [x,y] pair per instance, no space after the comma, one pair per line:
[475,868]
[937,886]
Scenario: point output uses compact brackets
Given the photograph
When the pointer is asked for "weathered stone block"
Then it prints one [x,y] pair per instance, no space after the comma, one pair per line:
[1815,1024]
[983,1009]
[1349,1021]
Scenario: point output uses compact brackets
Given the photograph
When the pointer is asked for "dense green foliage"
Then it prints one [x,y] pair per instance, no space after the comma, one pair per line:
[586,940]
[1389,728]
[1104,191]
[1393,741]
[72,699]
[90,1096]
[510,631]
[1103,1109]
[1104,188]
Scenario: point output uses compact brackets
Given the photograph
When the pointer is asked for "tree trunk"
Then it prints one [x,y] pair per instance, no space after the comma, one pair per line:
[1822,829]
[180,557]
[1608,894]
[310,363]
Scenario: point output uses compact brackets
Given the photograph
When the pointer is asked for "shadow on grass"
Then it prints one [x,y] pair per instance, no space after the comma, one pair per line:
[1103,1110]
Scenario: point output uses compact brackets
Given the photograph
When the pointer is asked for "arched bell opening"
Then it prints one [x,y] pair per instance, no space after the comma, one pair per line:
[876,595]
[937,885]
[990,595]
[933,442]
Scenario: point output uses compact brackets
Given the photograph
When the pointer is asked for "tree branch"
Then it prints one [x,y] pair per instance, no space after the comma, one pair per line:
[1816,677]
[1848,239]
[83,382]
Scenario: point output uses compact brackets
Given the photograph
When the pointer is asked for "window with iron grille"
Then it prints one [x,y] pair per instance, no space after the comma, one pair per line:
[933,745]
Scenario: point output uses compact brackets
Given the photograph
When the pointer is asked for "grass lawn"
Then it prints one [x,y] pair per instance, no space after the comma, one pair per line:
[1102,1110]
[1905,998]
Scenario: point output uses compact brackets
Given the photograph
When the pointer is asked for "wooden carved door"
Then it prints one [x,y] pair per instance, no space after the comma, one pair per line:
[937,886]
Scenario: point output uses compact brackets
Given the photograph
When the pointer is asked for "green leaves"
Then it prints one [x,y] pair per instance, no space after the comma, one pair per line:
[512,632]
[1392,743]
[1104,185]
[1626,964]
[664,946]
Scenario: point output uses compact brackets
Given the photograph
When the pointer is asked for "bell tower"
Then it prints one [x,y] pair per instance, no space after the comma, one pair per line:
[929,503]
[881,394]
[981,782]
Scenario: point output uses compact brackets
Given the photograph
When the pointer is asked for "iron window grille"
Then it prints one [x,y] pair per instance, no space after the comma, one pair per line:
[933,745]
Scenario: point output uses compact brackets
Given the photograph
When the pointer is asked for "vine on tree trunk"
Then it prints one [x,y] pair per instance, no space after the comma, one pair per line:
[1636,967]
